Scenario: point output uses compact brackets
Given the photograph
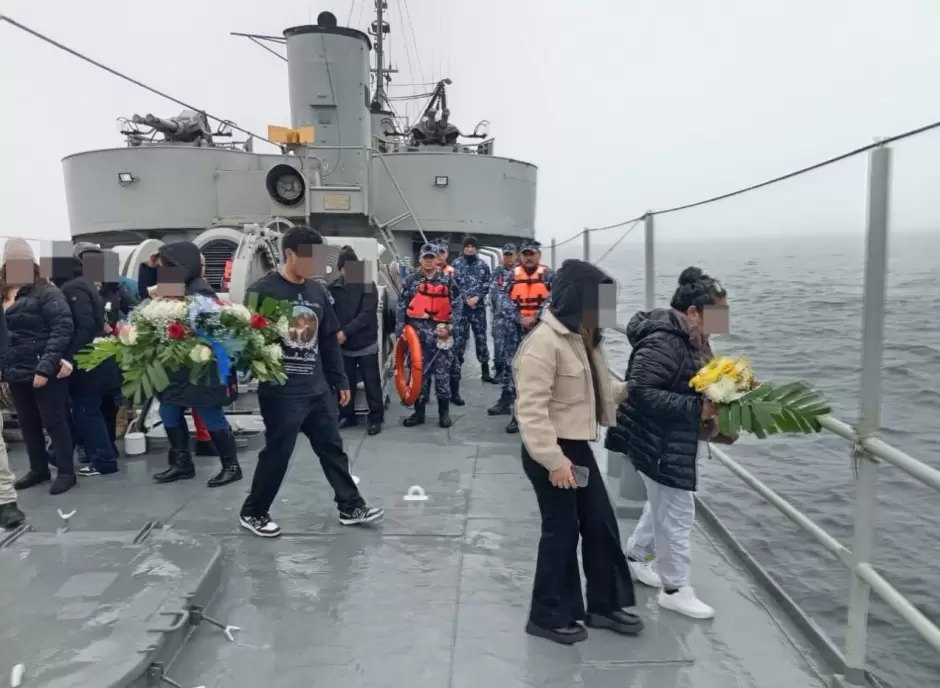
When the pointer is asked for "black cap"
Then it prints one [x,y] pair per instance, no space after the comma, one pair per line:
[471,240]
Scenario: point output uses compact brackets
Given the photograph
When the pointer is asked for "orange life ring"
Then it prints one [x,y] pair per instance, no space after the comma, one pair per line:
[408,388]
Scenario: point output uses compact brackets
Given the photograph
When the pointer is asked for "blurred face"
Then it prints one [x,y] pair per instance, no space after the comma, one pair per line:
[714,319]
[202,265]
[429,264]
[530,259]
[19,272]
[469,250]
[301,262]
[509,259]
[441,259]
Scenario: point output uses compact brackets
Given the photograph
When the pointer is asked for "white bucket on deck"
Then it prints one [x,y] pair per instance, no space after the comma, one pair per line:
[135,443]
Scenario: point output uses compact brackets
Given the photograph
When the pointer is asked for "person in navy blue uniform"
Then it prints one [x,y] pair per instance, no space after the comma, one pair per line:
[500,282]
[430,303]
[472,277]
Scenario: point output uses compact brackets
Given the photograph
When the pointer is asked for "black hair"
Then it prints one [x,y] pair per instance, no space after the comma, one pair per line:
[297,236]
[696,289]
[346,254]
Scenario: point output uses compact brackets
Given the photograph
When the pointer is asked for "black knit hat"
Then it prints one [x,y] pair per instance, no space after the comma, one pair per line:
[470,240]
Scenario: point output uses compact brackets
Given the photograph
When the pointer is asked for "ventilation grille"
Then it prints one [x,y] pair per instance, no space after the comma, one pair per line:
[217,252]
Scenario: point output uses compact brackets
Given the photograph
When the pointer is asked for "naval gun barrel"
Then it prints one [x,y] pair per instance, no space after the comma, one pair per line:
[164,126]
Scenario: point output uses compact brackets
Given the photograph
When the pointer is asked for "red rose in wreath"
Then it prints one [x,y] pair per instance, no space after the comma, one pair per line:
[258,321]
[175,331]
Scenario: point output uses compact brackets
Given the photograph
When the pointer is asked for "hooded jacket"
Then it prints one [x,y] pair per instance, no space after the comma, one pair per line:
[562,390]
[658,425]
[186,256]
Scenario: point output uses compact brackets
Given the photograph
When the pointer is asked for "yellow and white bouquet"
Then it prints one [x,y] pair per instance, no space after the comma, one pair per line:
[760,409]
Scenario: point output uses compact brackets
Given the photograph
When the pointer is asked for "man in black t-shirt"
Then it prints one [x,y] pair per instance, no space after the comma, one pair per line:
[307,402]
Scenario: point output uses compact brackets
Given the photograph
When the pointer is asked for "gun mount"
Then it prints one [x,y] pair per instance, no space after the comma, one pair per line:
[189,128]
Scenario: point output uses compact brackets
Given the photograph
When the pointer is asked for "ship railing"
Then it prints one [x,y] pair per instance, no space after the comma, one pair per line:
[867,450]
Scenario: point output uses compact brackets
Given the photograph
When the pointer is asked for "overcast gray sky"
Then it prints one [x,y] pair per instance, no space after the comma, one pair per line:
[623,106]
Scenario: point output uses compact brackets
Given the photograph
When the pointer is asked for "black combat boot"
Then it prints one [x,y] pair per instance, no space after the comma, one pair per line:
[486,374]
[443,413]
[498,373]
[180,458]
[231,472]
[416,418]
[503,406]
[455,397]
[513,426]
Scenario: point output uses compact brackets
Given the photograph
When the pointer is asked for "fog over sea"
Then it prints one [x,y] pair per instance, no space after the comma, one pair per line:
[796,313]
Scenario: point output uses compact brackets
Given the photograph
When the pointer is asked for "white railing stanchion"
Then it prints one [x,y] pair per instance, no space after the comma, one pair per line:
[554,254]
[586,250]
[869,420]
[649,264]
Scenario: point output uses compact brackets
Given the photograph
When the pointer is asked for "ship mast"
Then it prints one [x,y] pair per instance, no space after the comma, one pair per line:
[379,29]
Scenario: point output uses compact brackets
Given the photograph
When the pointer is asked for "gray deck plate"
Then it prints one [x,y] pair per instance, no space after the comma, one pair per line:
[77,607]
[436,596]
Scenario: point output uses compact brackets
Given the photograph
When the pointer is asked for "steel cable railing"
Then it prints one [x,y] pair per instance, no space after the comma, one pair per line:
[867,449]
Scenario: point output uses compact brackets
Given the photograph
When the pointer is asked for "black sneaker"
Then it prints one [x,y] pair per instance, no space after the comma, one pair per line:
[262,526]
[87,471]
[361,515]
[10,516]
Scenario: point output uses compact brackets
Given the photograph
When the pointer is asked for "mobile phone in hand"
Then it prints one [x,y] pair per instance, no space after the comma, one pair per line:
[581,475]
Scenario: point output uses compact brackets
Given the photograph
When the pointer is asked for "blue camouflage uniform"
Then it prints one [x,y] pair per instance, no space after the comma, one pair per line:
[437,361]
[501,276]
[472,276]
[515,331]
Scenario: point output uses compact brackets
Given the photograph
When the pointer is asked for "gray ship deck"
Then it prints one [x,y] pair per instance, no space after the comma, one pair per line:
[434,597]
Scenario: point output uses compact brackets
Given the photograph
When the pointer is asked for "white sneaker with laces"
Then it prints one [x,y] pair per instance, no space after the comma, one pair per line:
[684,601]
[644,573]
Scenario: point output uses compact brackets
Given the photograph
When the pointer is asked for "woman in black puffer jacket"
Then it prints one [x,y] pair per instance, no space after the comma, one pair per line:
[206,399]
[39,331]
[663,427]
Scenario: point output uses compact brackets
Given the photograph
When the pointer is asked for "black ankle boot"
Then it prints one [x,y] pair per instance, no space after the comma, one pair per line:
[503,407]
[486,374]
[180,458]
[513,426]
[443,413]
[455,397]
[416,418]
[231,472]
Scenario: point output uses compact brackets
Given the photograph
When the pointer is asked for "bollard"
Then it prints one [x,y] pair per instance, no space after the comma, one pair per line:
[415,494]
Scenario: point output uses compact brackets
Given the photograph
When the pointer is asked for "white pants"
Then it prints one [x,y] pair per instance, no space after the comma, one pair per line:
[7,493]
[665,530]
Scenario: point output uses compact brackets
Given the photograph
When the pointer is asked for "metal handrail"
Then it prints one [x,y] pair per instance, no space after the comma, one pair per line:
[867,450]
[891,596]
[913,467]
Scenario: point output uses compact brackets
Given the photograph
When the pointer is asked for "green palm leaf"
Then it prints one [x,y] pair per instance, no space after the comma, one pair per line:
[767,410]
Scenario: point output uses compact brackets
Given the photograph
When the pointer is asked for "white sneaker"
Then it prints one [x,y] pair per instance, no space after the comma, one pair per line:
[685,602]
[644,572]
[262,526]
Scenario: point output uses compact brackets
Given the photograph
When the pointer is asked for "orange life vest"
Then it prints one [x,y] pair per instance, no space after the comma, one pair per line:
[227,276]
[528,291]
[431,302]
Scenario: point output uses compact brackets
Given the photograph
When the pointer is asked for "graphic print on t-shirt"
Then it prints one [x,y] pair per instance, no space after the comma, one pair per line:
[301,346]
[303,327]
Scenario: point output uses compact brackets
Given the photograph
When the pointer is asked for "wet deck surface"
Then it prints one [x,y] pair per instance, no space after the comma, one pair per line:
[437,595]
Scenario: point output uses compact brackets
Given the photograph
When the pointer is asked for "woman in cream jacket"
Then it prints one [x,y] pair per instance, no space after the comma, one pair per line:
[564,391]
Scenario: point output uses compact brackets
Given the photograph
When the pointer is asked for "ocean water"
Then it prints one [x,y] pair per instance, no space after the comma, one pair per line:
[796,313]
